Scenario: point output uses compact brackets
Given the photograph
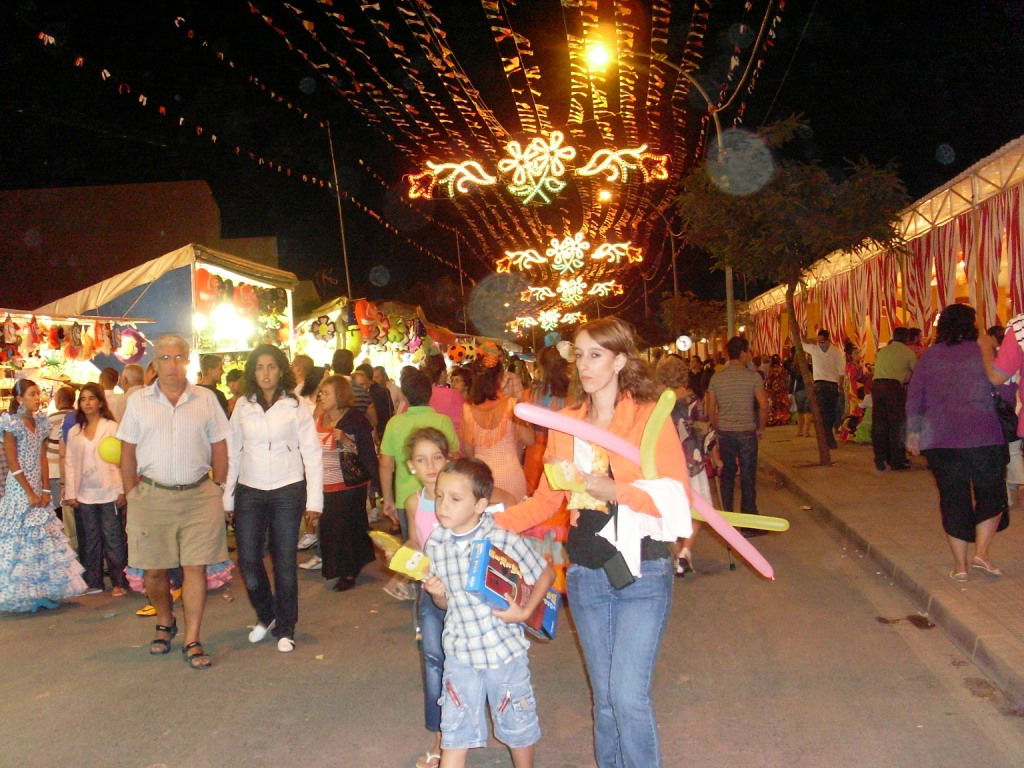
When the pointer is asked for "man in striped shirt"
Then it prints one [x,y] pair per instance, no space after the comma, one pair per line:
[737,405]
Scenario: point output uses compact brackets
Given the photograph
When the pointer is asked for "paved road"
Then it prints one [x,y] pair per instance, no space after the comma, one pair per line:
[827,666]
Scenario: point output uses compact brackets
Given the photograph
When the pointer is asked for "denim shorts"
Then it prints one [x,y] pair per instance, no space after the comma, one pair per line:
[464,693]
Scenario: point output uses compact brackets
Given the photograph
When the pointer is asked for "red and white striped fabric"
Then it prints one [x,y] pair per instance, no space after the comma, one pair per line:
[917,284]
[1014,250]
[768,330]
[982,259]
[944,245]
[834,297]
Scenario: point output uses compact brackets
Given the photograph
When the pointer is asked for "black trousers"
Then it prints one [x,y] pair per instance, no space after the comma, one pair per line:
[888,415]
[972,487]
[827,394]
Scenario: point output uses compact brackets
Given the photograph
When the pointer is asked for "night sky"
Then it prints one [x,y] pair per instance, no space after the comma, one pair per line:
[931,86]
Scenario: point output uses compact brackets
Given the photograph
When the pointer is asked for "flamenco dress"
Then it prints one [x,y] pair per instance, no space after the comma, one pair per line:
[37,563]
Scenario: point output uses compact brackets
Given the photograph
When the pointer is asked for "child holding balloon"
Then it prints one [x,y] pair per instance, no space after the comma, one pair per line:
[93,486]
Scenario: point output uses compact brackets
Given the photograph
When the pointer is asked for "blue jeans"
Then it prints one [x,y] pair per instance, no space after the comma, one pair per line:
[277,512]
[102,535]
[739,449]
[431,621]
[620,632]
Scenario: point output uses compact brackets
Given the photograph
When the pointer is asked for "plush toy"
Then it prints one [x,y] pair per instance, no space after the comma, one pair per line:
[397,329]
[383,327]
[53,337]
[366,318]
[10,331]
[206,291]
[456,353]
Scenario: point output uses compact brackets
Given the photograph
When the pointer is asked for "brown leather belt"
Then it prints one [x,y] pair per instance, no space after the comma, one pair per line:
[161,486]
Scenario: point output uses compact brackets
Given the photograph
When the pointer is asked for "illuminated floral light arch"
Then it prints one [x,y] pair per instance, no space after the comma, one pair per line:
[538,169]
[520,260]
[567,255]
[572,291]
[607,288]
[535,173]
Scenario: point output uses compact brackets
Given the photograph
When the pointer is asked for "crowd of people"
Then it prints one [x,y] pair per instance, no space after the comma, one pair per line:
[300,456]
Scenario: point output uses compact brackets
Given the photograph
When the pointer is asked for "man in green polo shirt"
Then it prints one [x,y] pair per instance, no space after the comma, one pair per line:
[396,483]
[893,366]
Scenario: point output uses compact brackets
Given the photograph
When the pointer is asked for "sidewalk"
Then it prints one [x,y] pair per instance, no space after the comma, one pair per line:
[893,518]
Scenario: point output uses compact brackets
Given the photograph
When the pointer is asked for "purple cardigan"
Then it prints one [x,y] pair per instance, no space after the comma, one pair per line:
[949,401]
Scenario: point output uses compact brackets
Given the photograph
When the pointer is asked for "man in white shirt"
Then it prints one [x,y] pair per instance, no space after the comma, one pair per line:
[131,382]
[173,436]
[829,367]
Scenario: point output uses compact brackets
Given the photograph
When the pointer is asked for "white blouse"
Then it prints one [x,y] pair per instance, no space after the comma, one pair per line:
[274,448]
[89,479]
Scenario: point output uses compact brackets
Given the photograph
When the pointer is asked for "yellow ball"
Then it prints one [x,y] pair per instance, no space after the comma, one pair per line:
[110,450]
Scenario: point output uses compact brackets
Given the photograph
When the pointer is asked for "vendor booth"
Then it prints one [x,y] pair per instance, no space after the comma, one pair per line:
[389,334]
[218,302]
[54,350]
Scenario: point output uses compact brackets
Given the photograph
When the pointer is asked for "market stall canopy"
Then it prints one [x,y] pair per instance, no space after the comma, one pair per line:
[107,290]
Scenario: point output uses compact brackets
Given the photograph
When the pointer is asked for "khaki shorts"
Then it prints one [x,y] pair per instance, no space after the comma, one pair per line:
[171,528]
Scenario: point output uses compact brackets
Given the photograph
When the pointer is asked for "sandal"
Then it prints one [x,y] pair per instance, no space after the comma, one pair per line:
[200,660]
[960,577]
[159,646]
[429,760]
[987,567]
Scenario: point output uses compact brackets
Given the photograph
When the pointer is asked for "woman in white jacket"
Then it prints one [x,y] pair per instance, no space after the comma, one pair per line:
[93,487]
[275,472]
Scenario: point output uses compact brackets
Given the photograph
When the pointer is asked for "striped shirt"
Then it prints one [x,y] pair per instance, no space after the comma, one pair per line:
[173,441]
[734,387]
[472,634]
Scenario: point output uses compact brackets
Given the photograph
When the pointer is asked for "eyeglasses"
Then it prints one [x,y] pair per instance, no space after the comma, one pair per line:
[175,358]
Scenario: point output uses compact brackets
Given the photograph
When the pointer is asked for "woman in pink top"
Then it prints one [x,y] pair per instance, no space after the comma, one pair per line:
[491,432]
[442,399]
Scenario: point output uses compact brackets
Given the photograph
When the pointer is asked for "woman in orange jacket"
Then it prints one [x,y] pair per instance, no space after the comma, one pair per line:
[619,624]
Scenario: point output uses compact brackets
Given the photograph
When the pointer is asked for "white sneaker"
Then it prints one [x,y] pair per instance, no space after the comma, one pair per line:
[313,564]
[285,645]
[307,541]
[259,632]
[93,591]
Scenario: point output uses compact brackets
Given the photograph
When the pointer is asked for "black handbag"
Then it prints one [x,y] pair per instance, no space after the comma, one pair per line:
[352,469]
[1006,415]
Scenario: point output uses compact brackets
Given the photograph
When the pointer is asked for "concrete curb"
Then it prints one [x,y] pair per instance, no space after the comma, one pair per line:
[979,649]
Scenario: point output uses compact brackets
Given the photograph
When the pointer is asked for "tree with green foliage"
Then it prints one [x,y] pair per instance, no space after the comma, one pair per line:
[801,214]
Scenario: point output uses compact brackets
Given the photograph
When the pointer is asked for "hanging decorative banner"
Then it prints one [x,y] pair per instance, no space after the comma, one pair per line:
[453,176]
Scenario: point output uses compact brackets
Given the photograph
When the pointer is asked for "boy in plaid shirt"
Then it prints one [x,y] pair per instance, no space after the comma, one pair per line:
[485,651]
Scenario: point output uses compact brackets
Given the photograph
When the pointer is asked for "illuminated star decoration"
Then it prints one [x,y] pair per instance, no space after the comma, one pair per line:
[567,255]
[519,260]
[538,169]
[548,319]
[571,290]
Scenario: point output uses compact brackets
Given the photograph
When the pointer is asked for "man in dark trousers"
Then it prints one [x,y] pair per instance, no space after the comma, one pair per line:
[737,405]
[893,367]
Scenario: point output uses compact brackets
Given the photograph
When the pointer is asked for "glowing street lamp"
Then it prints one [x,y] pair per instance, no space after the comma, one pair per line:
[598,58]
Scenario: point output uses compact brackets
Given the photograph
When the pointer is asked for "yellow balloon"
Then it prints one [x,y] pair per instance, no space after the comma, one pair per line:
[110,450]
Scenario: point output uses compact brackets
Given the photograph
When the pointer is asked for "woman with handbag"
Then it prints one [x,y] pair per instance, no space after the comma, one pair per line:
[619,622]
[350,461]
[951,419]
[275,472]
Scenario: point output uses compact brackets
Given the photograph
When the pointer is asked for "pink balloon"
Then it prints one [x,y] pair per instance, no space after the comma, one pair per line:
[585,431]
[732,537]
[559,422]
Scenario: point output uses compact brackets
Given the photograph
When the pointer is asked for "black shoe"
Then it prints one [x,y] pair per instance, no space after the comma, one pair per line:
[879,466]
[831,441]
[749,533]
[902,467]
[344,584]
